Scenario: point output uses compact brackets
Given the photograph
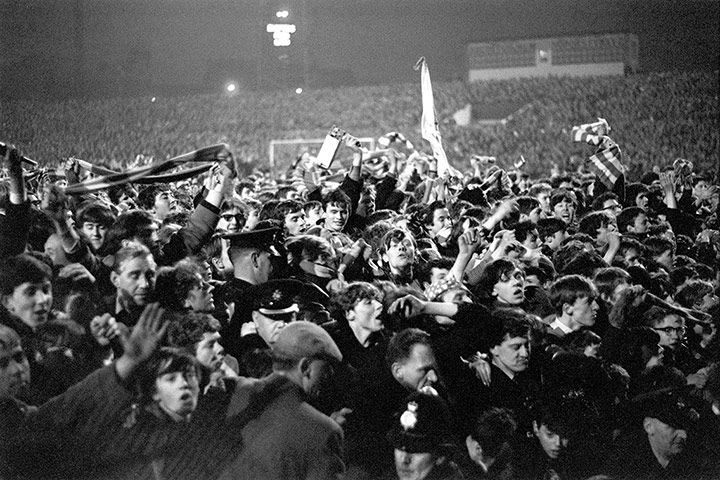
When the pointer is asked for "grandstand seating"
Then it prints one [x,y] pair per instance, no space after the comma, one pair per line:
[655,118]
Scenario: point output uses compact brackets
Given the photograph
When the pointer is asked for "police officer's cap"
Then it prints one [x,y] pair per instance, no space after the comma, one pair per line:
[264,239]
[421,425]
[282,296]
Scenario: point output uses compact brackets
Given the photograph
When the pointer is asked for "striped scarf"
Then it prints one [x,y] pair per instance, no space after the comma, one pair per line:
[591,133]
[607,160]
[152,174]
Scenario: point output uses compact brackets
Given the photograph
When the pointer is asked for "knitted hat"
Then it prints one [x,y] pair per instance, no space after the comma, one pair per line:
[438,288]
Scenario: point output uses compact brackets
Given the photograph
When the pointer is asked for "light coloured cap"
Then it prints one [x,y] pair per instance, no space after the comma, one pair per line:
[304,339]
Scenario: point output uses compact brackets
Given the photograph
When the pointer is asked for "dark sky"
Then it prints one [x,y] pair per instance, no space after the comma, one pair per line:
[65,47]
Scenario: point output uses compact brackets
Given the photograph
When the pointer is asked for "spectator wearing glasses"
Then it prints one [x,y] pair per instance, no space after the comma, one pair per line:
[670,325]
[232,219]
[607,202]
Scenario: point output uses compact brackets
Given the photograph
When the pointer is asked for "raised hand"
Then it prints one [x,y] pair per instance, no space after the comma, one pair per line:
[340,415]
[76,272]
[469,241]
[54,203]
[479,363]
[667,181]
[13,161]
[225,179]
[409,305]
[104,328]
[352,143]
[139,344]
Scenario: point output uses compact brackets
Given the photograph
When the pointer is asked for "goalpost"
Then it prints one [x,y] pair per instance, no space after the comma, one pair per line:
[284,153]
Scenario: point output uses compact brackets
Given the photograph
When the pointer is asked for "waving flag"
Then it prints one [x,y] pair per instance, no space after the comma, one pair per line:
[607,160]
[591,133]
[429,124]
[608,164]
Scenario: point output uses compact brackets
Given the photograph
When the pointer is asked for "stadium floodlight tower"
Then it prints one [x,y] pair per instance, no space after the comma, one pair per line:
[282,29]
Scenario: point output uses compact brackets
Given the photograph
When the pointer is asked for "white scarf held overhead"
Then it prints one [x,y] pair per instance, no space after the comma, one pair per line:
[429,124]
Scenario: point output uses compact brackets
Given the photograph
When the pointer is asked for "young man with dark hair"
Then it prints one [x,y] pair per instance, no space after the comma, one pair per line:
[553,233]
[607,202]
[602,228]
[636,195]
[631,251]
[526,232]
[433,271]
[660,250]
[94,220]
[563,205]
[292,214]
[398,253]
[633,220]
[182,288]
[313,213]
[610,282]
[436,219]
[529,208]
[159,199]
[511,384]
[337,207]
[574,299]
[542,192]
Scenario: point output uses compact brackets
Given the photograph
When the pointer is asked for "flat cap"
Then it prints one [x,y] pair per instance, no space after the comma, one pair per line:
[663,395]
[672,406]
[304,339]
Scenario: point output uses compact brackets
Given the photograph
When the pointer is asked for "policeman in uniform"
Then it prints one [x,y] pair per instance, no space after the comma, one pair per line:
[273,305]
[251,255]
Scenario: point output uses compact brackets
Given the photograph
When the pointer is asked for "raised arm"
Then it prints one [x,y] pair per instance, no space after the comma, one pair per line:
[15,228]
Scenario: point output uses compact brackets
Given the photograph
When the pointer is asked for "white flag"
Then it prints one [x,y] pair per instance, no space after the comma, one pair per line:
[429,126]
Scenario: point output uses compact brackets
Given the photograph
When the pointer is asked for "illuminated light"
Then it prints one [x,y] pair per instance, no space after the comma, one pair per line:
[152,99]
[298,91]
[231,87]
[281,33]
[281,28]
[282,14]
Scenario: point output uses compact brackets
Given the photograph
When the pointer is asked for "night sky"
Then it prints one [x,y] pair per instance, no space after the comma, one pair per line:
[56,48]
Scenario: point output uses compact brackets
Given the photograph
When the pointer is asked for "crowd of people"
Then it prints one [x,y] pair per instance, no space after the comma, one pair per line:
[657,116]
[395,319]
